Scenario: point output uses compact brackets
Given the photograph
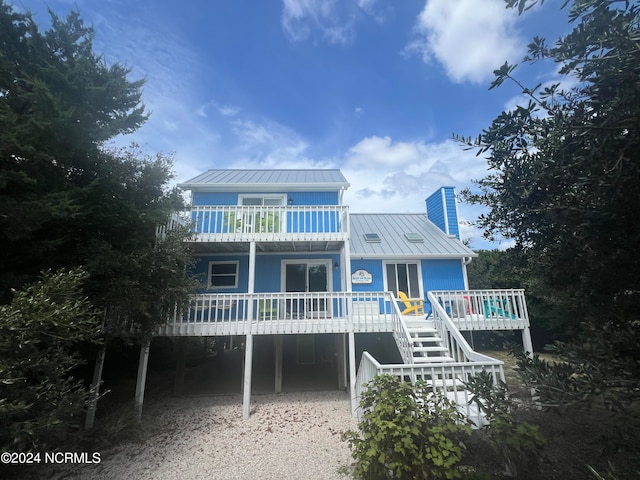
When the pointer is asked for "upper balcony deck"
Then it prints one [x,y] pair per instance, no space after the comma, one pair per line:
[234,223]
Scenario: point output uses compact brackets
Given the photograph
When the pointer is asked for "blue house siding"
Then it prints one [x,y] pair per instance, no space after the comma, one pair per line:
[314,198]
[293,198]
[374,267]
[214,198]
[313,222]
[442,275]
[435,210]
[441,210]
[268,271]
[452,217]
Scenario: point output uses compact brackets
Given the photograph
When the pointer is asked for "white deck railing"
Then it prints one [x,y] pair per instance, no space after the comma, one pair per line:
[278,223]
[457,346]
[484,309]
[282,313]
[445,378]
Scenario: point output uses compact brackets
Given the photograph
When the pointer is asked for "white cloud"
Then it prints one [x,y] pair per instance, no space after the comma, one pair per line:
[334,20]
[229,110]
[396,177]
[469,38]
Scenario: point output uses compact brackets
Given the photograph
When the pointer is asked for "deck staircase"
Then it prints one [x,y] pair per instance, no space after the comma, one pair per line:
[429,349]
[427,346]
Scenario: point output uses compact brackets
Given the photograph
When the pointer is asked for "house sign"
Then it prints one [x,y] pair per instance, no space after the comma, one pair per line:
[361,277]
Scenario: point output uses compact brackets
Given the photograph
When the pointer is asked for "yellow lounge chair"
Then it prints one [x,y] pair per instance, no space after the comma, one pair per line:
[413,306]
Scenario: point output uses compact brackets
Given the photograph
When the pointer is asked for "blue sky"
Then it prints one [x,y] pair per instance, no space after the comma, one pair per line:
[373,87]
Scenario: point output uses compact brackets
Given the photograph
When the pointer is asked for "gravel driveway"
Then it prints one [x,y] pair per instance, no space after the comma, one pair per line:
[288,436]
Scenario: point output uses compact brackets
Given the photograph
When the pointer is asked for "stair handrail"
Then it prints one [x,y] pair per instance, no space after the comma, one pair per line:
[448,331]
[401,332]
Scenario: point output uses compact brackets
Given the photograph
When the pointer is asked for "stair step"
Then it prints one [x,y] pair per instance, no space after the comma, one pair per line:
[426,339]
[421,329]
[435,348]
[449,382]
[432,359]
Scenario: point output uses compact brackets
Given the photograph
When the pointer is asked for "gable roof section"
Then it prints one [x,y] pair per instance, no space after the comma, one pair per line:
[265,180]
[391,229]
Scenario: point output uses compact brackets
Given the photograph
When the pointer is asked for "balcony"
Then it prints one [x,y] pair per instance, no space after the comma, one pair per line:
[284,313]
[471,310]
[233,223]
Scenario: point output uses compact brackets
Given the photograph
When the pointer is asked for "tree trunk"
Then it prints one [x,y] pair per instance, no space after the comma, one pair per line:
[94,393]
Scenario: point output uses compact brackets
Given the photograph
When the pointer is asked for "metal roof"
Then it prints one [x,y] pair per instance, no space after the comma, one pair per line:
[267,180]
[391,228]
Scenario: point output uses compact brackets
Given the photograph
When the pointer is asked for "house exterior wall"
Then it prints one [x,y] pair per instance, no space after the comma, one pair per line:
[298,198]
[214,198]
[442,275]
[268,271]
[314,198]
[374,267]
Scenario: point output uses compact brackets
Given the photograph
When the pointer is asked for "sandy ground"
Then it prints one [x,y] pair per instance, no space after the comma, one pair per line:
[288,436]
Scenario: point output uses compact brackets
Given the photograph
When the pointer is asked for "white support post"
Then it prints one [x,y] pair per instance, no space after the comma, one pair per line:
[142,378]
[246,386]
[251,287]
[341,363]
[352,373]
[346,252]
[345,363]
[94,394]
[278,362]
[527,343]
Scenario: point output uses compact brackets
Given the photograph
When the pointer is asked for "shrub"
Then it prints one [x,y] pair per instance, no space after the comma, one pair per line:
[40,332]
[406,431]
[519,445]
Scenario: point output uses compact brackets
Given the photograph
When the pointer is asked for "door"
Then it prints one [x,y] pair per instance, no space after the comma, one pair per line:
[307,277]
[264,217]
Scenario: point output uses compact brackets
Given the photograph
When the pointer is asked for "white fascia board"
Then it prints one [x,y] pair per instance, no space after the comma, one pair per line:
[435,256]
[264,187]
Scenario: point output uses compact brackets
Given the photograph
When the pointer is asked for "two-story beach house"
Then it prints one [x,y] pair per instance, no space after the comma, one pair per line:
[282,256]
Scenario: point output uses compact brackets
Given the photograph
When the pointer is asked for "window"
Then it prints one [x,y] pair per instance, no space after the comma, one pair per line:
[403,277]
[223,274]
[414,237]
[262,200]
[371,238]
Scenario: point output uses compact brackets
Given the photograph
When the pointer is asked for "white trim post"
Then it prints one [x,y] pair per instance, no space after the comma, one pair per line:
[142,378]
[352,373]
[246,384]
[252,279]
[341,363]
[527,342]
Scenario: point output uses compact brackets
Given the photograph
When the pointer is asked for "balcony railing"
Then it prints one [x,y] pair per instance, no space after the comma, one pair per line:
[483,309]
[239,223]
[281,313]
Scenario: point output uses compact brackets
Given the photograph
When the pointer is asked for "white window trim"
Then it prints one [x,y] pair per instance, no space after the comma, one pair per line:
[220,262]
[418,263]
[281,197]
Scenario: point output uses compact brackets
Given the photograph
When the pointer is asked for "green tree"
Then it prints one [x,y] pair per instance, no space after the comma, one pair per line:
[59,103]
[565,184]
[40,333]
[65,198]
[564,181]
